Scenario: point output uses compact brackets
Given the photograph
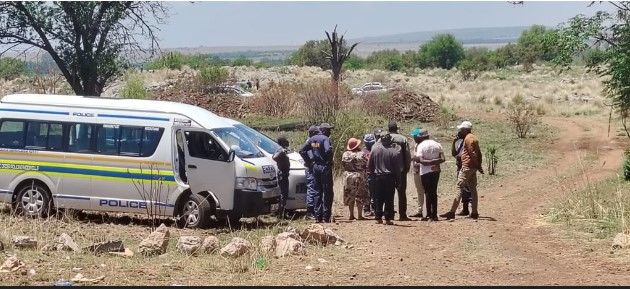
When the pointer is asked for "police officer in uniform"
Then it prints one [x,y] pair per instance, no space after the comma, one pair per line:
[321,149]
[310,179]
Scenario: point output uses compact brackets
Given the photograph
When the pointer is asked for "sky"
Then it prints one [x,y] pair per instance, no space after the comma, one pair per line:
[193,24]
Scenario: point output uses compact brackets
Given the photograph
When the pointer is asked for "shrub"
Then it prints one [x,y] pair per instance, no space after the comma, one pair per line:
[469,69]
[389,59]
[443,51]
[493,159]
[212,75]
[276,99]
[312,53]
[318,103]
[594,57]
[523,117]
[11,68]
[134,88]
[171,60]
[242,61]
[354,62]
[350,123]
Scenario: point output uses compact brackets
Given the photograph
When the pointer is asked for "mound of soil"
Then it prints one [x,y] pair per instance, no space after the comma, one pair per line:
[400,104]
[221,104]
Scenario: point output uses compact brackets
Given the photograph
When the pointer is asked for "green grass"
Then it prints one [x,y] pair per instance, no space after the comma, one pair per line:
[602,209]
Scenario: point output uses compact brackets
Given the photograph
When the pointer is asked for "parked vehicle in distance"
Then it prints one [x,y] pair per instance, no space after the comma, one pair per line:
[132,156]
[231,89]
[297,173]
[369,88]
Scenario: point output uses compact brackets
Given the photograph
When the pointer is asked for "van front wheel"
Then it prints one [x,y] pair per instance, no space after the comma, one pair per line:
[197,212]
[33,200]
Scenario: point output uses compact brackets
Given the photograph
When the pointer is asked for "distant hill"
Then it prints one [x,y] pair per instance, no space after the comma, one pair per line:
[486,35]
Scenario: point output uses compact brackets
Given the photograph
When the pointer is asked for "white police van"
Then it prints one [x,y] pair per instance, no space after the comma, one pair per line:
[127,155]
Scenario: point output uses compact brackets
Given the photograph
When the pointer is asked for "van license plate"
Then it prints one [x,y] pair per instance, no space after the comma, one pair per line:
[274,207]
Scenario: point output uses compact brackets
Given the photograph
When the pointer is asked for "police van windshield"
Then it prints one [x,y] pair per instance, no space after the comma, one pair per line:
[259,139]
[238,142]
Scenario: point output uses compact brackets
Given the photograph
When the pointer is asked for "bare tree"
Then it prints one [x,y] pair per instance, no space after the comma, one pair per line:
[337,56]
[89,41]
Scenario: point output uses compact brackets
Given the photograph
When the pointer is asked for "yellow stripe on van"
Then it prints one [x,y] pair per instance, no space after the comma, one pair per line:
[144,170]
[114,159]
[251,167]
[80,176]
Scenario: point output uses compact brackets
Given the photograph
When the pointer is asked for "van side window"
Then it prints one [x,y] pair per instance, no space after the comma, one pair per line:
[12,134]
[55,137]
[80,138]
[108,139]
[130,139]
[36,135]
[150,140]
[202,145]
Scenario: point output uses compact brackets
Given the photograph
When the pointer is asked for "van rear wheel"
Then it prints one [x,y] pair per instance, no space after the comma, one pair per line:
[197,212]
[33,200]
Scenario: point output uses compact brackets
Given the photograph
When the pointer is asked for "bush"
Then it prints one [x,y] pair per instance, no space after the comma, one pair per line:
[242,61]
[389,59]
[11,68]
[523,117]
[469,69]
[212,75]
[541,43]
[594,57]
[350,123]
[312,53]
[276,99]
[171,60]
[443,51]
[134,88]
[354,62]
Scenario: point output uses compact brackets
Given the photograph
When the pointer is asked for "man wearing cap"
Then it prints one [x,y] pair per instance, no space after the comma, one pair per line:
[385,165]
[321,148]
[310,179]
[456,151]
[467,178]
[416,175]
[401,187]
[354,181]
[429,155]
[368,208]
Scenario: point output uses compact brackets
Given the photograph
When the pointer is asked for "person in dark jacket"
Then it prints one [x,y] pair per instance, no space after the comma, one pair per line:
[405,157]
[321,148]
[385,165]
[282,160]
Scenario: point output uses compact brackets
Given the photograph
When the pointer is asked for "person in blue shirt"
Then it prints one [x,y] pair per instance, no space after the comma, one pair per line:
[321,149]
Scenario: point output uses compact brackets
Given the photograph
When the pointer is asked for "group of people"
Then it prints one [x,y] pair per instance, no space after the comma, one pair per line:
[375,172]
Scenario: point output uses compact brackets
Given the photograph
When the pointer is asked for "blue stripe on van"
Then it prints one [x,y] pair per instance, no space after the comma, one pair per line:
[134,117]
[125,175]
[35,111]
[5,192]
[71,197]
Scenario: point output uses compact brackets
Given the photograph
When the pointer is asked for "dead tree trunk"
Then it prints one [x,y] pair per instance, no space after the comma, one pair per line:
[337,56]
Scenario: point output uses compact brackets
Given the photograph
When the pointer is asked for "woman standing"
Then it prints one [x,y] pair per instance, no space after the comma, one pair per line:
[354,165]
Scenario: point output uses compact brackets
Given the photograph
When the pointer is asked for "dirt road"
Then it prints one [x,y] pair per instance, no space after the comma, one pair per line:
[508,245]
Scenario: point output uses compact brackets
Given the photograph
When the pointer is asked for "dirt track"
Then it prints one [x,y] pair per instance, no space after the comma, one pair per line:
[508,245]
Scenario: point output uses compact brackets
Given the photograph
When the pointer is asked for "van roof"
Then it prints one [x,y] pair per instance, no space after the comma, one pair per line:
[202,116]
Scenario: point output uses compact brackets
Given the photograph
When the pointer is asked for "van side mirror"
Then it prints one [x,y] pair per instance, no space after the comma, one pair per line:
[231,156]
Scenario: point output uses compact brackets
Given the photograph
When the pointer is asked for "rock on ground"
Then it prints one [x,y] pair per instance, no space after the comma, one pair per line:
[189,244]
[156,243]
[318,234]
[106,247]
[24,242]
[66,243]
[621,241]
[210,244]
[267,243]
[11,264]
[288,243]
[237,247]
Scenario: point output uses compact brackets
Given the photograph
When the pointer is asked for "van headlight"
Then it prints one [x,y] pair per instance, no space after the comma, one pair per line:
[247,184]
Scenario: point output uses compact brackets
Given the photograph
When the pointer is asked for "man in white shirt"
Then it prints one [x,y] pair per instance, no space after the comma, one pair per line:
[429,155]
